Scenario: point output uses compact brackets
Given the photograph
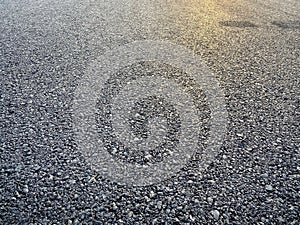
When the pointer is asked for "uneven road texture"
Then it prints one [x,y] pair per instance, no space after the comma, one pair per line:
[201,128]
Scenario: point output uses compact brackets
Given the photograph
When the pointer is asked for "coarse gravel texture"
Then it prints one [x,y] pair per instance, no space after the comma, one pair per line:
[253,50]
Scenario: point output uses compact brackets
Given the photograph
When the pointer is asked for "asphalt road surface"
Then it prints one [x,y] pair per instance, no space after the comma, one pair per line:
[149,112]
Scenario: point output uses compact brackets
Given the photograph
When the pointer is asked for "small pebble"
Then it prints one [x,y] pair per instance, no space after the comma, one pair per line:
[210,200]
[26,189]
[216,214]
[72,181]
[269,188]
[115,207]
[152,194]
[159,204]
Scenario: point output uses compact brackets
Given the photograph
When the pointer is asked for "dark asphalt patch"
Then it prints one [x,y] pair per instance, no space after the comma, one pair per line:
[239,24]
[287,25]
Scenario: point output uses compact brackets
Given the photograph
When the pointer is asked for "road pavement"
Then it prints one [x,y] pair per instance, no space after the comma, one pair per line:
[149,112]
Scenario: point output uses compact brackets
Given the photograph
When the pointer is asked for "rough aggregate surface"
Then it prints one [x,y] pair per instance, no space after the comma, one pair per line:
[251,46]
